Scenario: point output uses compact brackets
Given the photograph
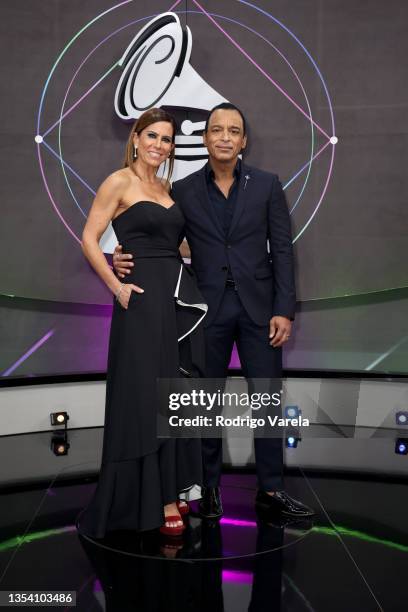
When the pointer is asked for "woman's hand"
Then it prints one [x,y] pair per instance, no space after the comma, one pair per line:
[124,293]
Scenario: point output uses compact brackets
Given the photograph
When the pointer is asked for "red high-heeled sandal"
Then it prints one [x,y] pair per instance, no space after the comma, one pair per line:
[183,507]
[174,531]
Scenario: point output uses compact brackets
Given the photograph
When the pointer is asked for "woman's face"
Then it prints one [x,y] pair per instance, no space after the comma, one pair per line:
[154,143]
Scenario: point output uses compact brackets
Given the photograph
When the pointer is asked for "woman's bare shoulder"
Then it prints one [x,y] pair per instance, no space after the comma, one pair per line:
[117,182]
[119,178]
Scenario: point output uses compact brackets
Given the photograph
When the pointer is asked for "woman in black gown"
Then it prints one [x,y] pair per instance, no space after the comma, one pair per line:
[156,311]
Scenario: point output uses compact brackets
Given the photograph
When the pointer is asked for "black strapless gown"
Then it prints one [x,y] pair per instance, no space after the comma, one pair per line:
[156,337]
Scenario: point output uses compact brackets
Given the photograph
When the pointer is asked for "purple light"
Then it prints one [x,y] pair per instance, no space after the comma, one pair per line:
[30,351]
[237,522]
[234,576]
[174,6]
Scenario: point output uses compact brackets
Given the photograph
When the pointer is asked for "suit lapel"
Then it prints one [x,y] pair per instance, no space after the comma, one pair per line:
[242,197]
[202,196]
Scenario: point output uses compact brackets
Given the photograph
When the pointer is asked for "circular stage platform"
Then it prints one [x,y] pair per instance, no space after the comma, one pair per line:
[241,532]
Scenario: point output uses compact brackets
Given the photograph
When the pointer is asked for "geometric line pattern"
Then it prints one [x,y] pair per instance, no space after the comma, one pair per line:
[64,114]
[331,140]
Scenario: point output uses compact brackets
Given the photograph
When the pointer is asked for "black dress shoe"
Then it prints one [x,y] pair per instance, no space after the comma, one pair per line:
[210,506]
[282,503]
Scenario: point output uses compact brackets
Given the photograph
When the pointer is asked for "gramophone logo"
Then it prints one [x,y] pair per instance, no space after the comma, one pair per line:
[157,72]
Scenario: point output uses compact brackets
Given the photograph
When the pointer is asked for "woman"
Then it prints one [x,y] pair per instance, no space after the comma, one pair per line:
[155,319]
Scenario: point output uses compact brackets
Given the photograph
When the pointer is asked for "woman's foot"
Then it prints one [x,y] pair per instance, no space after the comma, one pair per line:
[173,523]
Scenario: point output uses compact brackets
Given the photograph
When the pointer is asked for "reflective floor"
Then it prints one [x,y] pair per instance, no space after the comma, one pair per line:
[352,557]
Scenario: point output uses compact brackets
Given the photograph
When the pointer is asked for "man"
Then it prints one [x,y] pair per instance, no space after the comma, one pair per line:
[231,211]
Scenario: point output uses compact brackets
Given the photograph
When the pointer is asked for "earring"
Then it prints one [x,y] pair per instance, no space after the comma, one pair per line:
[134,151]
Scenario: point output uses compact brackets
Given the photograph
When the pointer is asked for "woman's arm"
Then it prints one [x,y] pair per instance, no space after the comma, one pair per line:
[102,212]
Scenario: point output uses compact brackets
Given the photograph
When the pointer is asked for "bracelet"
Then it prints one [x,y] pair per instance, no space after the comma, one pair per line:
[117,295]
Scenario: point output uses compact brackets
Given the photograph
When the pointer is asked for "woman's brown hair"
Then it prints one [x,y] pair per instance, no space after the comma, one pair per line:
[150,116]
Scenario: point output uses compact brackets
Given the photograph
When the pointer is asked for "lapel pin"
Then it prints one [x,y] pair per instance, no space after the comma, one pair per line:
[247,177]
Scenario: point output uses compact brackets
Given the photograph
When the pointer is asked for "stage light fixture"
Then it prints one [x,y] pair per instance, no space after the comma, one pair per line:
[401,417]
[292,441]
[292,412]
[401,446]
[59,443]
[293,437]
[60,448]
[59,418]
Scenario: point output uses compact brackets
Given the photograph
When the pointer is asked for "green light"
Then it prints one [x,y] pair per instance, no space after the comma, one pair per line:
[329,531]
[32,537]
[360,535]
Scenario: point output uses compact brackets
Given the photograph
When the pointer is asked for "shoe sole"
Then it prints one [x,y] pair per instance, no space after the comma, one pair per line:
[176,533]
[209,516]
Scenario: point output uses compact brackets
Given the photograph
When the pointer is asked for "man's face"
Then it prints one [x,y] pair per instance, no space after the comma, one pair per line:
[225,136]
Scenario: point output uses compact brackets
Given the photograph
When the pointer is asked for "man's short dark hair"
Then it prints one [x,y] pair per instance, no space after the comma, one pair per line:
[225,106]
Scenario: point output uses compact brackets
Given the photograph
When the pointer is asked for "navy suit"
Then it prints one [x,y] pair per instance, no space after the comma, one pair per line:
[264,287]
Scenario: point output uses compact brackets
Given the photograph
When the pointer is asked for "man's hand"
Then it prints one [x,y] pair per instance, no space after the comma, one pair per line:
[121,262]
[279,331]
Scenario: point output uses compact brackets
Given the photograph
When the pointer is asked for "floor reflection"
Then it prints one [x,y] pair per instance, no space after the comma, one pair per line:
[145,575]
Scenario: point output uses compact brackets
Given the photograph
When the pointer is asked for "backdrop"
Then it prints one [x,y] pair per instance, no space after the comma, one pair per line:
[324,90]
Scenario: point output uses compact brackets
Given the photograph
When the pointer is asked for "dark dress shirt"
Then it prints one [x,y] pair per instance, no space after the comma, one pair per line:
[224,206]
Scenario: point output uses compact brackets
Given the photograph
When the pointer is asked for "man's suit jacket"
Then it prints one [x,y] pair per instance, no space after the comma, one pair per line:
[265,280]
